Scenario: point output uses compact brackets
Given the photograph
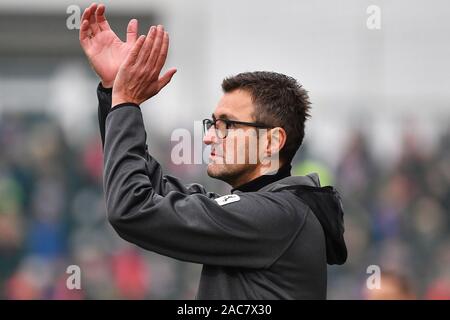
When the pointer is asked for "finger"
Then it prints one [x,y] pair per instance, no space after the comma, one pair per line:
[165,79]
[86,14]
[84,26]
[132,31]
[92,22]
[83,16]
[84,31]
[147,47]
[134,52]
[163,53]
[100,18]
[156,46]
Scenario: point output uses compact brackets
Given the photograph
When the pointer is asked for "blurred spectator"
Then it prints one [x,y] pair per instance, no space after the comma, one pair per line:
[131,274]
[393,286]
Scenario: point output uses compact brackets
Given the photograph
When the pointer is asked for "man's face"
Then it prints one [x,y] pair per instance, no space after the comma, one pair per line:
[234,159]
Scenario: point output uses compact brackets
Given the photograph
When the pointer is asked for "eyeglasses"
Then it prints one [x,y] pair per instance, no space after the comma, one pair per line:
[222,125]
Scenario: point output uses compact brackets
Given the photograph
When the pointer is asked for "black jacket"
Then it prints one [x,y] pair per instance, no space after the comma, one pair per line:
[269,244]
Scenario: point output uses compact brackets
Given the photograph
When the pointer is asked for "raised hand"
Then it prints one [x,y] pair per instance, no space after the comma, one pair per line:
[103,48]
[138,77]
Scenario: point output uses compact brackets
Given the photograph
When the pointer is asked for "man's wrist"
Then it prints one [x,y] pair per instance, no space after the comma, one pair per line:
[107,84]
[102,89]
[125,104]
[120,100]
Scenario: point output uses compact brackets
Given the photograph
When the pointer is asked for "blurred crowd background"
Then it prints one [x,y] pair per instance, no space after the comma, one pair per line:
[379,132]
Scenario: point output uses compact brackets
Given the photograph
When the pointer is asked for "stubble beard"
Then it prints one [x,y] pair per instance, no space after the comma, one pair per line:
[232,174]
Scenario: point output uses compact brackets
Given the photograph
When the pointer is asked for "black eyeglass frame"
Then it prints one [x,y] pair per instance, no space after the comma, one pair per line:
[228,123]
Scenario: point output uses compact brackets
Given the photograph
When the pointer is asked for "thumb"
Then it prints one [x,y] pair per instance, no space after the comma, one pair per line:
[132,31]
[165,79]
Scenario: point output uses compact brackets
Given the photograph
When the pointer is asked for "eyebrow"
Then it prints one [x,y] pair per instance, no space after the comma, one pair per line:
[224,116]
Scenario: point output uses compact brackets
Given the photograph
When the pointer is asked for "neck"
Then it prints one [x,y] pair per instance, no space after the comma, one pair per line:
[246,177]
[261,178]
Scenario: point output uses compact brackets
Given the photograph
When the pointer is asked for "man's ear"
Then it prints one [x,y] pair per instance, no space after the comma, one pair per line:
[276,139]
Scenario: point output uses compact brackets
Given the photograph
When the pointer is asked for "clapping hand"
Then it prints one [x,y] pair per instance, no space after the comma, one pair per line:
[138,78]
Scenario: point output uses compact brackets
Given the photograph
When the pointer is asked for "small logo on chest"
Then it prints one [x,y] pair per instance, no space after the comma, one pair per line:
[230,198]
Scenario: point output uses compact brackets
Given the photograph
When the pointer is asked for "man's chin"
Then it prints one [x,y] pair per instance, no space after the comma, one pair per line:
[229,173]
[215,170]
[221,171]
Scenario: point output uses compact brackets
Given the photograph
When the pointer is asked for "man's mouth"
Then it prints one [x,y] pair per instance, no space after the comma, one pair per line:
[215,154]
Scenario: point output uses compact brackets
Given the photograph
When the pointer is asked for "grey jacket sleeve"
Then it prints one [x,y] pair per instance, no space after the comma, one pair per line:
[251,232]
[162,184]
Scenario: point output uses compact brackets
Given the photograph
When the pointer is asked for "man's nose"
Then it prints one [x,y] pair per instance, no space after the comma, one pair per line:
[210,137]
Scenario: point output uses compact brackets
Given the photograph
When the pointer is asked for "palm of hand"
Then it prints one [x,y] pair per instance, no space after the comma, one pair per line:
[106,53]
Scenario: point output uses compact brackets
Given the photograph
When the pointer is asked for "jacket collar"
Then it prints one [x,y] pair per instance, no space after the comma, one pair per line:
[264,180]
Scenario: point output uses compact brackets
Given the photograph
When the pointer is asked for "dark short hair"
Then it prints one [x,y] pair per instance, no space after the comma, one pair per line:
[279,101]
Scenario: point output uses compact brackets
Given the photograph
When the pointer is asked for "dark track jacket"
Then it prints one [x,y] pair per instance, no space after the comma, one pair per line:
[273,243]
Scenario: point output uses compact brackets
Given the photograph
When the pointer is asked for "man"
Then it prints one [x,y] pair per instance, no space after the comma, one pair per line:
[273,236]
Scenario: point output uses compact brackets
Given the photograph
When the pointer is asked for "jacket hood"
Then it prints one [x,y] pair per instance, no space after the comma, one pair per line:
[326,204]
